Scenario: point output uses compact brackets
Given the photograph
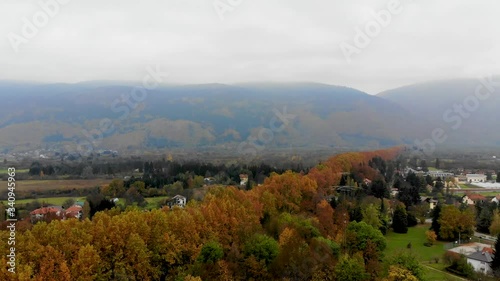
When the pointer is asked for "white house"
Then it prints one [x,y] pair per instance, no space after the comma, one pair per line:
[481,260]
[496,199]
[440,174]
[471,178]
[177,200]
[432,202]
[243,179]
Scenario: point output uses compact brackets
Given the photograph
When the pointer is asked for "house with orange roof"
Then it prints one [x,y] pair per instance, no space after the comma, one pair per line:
[472,198]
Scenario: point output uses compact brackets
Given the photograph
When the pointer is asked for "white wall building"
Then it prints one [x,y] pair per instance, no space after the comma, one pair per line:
[177,200]
[440,174]
[472,178]
[481,260]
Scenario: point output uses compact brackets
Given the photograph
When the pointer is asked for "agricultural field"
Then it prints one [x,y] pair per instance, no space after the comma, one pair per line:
[427,255]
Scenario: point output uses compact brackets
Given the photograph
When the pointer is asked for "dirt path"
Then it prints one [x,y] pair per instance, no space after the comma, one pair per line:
[456,277]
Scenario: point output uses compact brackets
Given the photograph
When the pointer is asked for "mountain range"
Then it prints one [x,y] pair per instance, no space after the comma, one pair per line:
[120,116]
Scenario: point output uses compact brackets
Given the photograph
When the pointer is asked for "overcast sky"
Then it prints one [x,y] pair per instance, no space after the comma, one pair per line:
[257,40]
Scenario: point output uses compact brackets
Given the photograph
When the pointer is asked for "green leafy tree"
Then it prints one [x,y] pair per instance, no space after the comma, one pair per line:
[133,196]
[400,220]
[409,261]
[455,223]
[2,212]
[350,269]
[358,235]
[115,189]
[495,224]
[86,210]
[371,216]
[262,247]
[211,252]
[68,203]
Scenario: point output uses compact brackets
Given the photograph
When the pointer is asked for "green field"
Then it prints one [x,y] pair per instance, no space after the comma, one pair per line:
[4,171]
[416,235]
[491,193]
[468,186]
[49,200]
[154,201]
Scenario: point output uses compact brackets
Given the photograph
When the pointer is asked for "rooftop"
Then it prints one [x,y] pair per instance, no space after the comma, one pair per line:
[484,256]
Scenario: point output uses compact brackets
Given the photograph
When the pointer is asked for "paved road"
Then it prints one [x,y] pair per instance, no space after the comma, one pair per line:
[484,236]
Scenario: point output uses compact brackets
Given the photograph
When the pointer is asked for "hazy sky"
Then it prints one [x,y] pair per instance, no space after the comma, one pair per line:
[257,40]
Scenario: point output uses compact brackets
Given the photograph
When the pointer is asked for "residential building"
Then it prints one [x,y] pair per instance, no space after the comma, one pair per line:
[472,178]
[472,198]
[427,200]
[177,200]
[75,211]
[243,179]
[50,212]
[480,260]
[440,174]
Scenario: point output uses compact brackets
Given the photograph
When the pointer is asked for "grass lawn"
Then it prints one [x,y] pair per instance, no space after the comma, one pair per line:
[416,235]
[49,200]
[154,201]
[4,171]
[468,186]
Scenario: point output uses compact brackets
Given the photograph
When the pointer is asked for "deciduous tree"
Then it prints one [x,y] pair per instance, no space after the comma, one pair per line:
[431,236]
[371,216]
[358,235]
[455,222]
[350,269]
[495,224]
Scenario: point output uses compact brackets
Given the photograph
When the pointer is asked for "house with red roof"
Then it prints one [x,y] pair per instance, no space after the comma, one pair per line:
[472,198]
[56,212]
[75,211]
[44,213]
